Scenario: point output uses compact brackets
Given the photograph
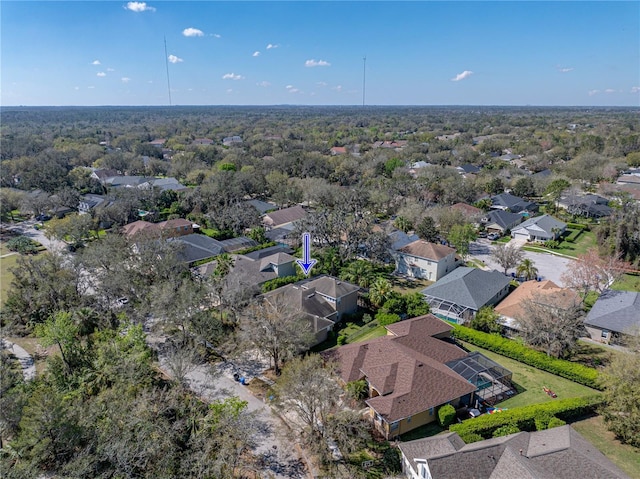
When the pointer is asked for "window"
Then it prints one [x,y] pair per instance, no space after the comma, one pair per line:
[605,333]
[430,411]
[394,426]
[409,419]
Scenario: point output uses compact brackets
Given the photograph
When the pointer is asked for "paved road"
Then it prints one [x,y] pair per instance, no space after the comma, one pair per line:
[549,266]
[27,228]
[280,458]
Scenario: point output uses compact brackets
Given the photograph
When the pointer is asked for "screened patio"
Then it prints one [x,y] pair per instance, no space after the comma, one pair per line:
[493,382]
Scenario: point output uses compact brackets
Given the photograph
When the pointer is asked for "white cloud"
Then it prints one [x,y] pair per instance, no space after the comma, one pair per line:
[635,89]
[76,88]
[264,84]
[337,88]
[125,79]
[593,92]
[139,7]
[609,90]
[110,70]
[232,76]
[175,59]
[256,54]
[217,35]
[462,76]
[95,62]
[271,45]
[91,87]
[319,63]
[101,74]
[322,83]
[565,70]
[192,32]
[292,89]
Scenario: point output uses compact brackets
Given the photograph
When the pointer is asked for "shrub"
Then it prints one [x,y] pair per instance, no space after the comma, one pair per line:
[555,422]
[367,318]
[358,389]
[542,422]
[514,350]
[469,437]
[524,417]
[384,319]
[505,430]
[446,415]
[22,245]
[342,339]
[577,226]
[278,282]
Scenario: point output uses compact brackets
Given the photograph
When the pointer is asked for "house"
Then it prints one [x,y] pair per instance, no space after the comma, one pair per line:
[253,269]
[238,243]
[158,142]
[102,174]
[468,168]
[286,216]
[628,180]
[614,314]
[460,294]
[500,221]
[338,150]
[551,453]
[545,292]
[165,229]
[231,140]
[127,181]
[407,373]
[515,204]
[469,211]
[261,206]
[90,202]
[322,301]
[424,260]
[399,239]
[164,184]
[202,141]
[539,229]
[197,247]
[589,205]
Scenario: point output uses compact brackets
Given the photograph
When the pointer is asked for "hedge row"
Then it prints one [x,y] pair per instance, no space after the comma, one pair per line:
[578,226]
[514,350]
[524,418]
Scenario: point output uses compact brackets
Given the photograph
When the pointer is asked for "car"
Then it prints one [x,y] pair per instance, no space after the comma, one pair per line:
[123,300]
[43,217]
[493,236]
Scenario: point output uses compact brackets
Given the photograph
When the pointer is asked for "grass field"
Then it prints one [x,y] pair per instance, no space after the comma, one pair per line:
[5,275]
[628,282]
[624,456]
[529,382]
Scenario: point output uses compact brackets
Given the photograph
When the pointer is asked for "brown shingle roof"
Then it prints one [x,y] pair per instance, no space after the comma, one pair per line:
[543,291]
[285,216]
[424,249]
[467,209]
[405,367]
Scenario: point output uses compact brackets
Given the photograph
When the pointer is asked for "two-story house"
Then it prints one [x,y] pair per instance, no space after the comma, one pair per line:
[424,260]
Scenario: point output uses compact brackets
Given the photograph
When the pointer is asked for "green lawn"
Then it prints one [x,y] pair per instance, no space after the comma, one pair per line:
[584,242]
[624,456]
[365,334]
[5,275]
[529,382]
[628,282]
[406,285]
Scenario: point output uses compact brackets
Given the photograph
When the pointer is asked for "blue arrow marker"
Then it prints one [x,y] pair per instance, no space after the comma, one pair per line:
[306,263]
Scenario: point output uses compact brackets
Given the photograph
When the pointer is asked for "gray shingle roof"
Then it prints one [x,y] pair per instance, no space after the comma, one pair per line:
[617,311]
[548,454]
[514,203]
[504,219]
[469,287]
[198,247]
[540,225]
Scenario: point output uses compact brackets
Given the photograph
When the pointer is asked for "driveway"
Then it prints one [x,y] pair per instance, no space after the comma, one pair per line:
[277,451]
[549,266]
[26,361]
[27,228]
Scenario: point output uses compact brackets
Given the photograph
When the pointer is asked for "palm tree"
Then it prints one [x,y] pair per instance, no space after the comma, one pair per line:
[527,269]
[380,291]
[359,272]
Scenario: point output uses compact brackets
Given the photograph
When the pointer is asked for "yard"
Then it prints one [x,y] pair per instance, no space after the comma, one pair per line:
[404,285]
[628,282]
[584,241]
[5,275]
[624,456]
[530,382]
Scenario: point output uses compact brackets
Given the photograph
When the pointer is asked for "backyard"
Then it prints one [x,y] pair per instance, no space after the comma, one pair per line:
[529,382]
[6,263]
[584,240]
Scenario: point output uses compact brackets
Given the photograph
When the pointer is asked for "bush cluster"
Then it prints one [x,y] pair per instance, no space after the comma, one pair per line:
[514,350]
[578,226]
[446,415]
[527,418]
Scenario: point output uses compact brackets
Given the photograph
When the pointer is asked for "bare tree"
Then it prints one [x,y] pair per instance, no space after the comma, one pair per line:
[592,272]
[308,390]
[550,323]
[507,255]
[275,327]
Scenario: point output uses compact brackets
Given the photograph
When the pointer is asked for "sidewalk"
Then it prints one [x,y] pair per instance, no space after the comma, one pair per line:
[27,363]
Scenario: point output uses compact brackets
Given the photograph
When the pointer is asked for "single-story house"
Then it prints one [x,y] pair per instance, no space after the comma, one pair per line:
[471,212]
[232,140]
[421,259]
[323,301]
[286,216]
[399,239]
[460,294]
[468,168]
[539,229]
[202,141]
[500,221]
[407,373]
[589,205]
[628,180]
[166,229]
[198,247]
[261,206]
[614,314]
[515,204]
[338,150]
[545,292]
[551,453]
[238,243]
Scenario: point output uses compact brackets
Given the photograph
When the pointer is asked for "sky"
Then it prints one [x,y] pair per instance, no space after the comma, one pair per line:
[563,53]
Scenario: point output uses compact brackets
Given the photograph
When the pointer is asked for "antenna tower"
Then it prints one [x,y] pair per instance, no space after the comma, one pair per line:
[166,61]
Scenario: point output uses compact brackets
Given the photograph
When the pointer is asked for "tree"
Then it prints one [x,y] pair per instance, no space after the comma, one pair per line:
[486,320]
[550,325]
[427,230]
[22,245]
[592,272]
[524,187]
[380,291]
[10,200]
[73,228]
[359,272]
[621,410]
[507,255]
[555,190]
[527,270]
[308,390]
[460,237]
[275,327]
[62,331]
